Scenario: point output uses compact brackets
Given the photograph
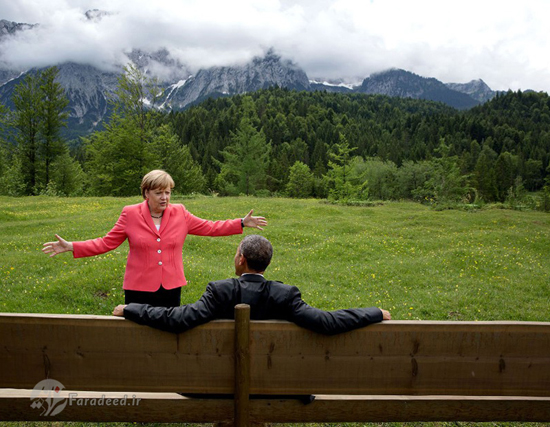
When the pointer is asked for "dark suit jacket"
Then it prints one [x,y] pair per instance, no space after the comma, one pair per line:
[267,300]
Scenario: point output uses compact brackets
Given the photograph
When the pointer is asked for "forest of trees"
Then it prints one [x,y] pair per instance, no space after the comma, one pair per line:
[346,147]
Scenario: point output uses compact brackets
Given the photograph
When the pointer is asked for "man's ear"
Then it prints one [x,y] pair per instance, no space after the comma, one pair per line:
[242,259]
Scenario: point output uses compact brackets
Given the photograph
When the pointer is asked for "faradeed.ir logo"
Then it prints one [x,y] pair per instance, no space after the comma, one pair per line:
[47,397]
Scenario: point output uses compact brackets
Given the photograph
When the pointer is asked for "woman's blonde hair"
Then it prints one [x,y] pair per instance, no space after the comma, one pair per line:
[156,179]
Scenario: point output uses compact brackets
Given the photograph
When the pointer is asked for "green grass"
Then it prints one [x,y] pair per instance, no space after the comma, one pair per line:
[416,262]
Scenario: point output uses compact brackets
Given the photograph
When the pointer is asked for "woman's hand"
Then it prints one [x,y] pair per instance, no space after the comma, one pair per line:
[119,310]
[254,221]
[54,248]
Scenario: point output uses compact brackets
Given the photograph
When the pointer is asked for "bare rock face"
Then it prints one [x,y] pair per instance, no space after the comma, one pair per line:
[89,88]
[477,89]
[261,73]
[11,28]
[404,84]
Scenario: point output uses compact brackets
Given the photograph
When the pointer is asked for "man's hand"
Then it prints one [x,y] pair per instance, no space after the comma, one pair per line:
[385,315]
[119,310]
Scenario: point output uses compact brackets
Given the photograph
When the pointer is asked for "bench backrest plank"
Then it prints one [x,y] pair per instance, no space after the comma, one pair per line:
[404,357]
[399,357]
[111,354]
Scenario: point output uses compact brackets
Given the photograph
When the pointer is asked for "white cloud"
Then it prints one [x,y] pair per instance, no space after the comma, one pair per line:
[503,42]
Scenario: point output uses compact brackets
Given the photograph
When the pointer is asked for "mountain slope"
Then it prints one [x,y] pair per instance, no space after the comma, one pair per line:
[476,89]
[10,29]
[404,84]
[261,73]
[89,88]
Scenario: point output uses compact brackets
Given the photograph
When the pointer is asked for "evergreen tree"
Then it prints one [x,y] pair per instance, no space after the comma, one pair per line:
[319,158]
[27,123]
[53,118]
[178,162]
[484,179]
[299,151]
[39,115]
[243,170]
[68,178]
[445,183]
[338,177]
[505,174]
[119,156]
[135,97]
[3,161]
[300,182]
[533,174]
[279,167]
[544,199]
[3,121]
[411,177]
[375,178]
[12,182]
[3,149]
[117,160]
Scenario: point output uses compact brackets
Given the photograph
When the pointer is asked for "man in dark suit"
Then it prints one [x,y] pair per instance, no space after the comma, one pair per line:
[267,299]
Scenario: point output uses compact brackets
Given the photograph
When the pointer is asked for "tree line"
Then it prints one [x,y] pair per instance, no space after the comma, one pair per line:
[33,154]
[347,147]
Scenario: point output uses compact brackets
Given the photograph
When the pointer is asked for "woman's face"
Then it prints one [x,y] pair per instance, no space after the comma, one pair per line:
[158,198]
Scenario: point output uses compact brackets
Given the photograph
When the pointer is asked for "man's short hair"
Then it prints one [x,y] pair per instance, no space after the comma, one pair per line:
[257,250]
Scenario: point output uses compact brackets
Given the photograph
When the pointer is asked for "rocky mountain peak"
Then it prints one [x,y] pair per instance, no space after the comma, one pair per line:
[89,88]
[270,57]
[96,15]
[159,64]
[10,28]
[477,89]
[404,84]
[260,73]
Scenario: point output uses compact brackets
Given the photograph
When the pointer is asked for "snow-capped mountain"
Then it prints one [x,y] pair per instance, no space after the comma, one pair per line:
[260,73]
[89,88]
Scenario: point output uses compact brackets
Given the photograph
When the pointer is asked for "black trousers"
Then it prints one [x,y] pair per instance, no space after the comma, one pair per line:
[161,298]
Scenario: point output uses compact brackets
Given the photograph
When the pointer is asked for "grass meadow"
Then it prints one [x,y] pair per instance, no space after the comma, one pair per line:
[418,263]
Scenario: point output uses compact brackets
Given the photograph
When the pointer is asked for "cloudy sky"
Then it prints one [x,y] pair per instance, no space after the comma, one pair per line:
[504,42]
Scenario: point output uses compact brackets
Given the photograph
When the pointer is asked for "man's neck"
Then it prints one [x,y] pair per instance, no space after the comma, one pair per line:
[253,272]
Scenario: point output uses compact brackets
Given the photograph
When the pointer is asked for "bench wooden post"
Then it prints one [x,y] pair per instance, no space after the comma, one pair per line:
[242,365]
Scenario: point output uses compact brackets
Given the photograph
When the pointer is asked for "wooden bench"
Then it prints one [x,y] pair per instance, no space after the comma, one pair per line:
[392,371]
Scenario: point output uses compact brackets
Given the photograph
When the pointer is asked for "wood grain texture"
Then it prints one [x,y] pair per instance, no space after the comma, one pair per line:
[170,407]
[242,365]
[413,358]
[393,371]
[15,405]
[108,353]
[336,409]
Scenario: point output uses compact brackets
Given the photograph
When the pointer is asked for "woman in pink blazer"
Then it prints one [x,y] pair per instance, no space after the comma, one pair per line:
[156,232]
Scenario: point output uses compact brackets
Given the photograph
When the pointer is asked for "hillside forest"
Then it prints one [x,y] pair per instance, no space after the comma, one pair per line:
[350,148]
